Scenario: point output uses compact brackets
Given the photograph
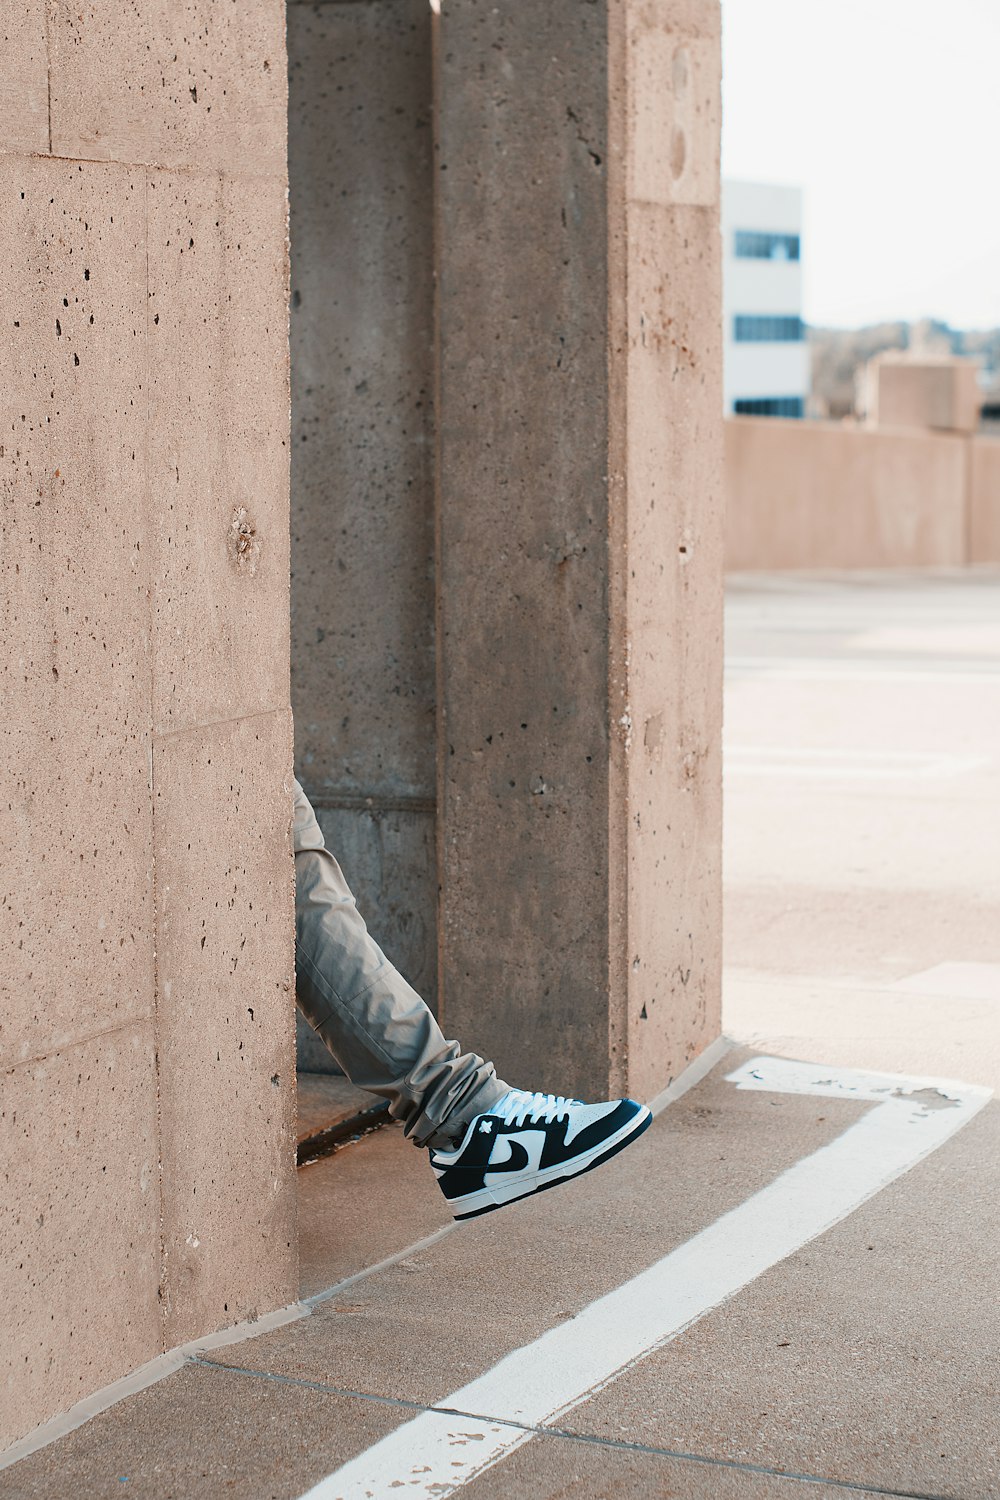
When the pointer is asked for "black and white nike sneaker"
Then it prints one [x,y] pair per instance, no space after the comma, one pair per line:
[529,1142]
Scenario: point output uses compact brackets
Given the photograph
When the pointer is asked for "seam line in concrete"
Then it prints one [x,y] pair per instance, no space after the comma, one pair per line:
[48,71]
[260,713]
[566,1434]
[362,802]
[10,1065]
[180,170]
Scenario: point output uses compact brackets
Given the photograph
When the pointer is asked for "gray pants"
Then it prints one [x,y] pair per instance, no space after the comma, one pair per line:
[376,1026]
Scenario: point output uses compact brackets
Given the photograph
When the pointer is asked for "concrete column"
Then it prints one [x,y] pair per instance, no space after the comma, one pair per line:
[362,458]
[579,536]
[983,544]
[147,1093]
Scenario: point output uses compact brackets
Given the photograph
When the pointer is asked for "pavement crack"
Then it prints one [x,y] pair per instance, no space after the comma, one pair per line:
[567,1434]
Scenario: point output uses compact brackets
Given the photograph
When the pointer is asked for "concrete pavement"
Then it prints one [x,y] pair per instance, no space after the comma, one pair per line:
[863,814]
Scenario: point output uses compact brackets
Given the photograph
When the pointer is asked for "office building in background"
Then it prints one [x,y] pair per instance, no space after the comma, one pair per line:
[766,358]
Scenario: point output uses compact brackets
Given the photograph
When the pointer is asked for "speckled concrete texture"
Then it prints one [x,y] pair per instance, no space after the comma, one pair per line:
[76,897]
[80,1223]
[225,959]
[524,553]
[203,88]
[144,452]
[218,449]
[205,1434]
[361,336]
[674,559]
[24,85]
[984,501]
[584,543]
[361,191]
[559,1469]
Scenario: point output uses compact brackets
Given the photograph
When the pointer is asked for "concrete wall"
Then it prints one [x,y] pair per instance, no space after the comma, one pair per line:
[146,1093]
[579,544]
[577,858]
[824,495]
[984,501]
[361,184]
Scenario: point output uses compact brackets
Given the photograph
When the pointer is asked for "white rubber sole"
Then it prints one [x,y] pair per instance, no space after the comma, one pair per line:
[519,1185]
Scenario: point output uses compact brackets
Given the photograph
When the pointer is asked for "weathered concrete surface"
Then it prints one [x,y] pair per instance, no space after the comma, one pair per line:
[145,407]
[867,1358]
[80,1223]
[984,501]
[204,87]
[940,392]
[578,607]
[597,1472]
[822,495]
[218,466]
[76,896]
[362,517]
[24,103]
[361,187]
[76,892]
[225,966]
[673,645]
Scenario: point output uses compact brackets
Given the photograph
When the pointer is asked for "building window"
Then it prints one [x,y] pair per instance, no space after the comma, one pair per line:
[770,406]
[757,244]
[769,328]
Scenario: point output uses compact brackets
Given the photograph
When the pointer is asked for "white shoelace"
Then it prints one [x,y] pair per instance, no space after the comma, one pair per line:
[519,1105]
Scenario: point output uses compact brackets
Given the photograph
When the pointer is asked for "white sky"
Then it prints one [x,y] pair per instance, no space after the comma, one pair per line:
[887,114]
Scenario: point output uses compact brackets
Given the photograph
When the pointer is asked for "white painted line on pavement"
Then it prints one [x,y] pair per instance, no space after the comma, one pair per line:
[692,1074]
[442,1449]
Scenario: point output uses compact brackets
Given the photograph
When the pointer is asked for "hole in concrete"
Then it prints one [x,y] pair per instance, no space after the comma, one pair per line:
[678,153]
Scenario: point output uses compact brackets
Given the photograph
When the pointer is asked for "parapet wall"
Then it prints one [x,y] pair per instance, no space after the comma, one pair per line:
[826,495]
[146,1062]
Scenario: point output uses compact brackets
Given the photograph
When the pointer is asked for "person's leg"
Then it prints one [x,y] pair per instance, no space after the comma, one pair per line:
[374,1023]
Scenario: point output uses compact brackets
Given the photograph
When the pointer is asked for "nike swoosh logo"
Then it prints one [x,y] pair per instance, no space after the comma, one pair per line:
[516,1162]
